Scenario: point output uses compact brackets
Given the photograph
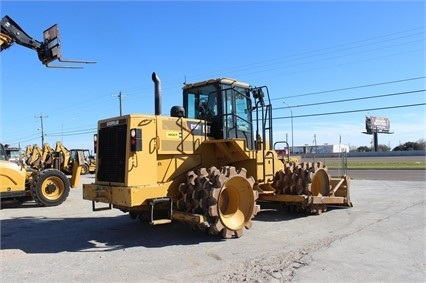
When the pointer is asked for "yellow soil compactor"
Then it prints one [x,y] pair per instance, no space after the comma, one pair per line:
[210,163]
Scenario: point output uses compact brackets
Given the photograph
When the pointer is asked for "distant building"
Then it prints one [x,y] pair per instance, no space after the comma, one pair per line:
[325,148]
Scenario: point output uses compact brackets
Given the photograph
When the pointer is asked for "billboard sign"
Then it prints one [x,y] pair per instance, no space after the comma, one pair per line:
[375,124]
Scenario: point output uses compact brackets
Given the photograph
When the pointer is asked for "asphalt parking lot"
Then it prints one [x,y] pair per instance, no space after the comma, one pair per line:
[381,238]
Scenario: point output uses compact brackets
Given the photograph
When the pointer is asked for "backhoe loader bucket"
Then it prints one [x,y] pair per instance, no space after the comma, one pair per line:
[51,50]
[76,170]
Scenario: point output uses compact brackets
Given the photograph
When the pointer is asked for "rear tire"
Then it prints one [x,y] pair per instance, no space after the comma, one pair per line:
[50,187]
[84,169]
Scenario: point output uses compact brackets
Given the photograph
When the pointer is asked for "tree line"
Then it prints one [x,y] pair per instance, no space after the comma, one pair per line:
[408,146]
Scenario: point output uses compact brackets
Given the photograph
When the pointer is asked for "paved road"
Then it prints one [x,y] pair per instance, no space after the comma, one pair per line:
[381,238]
[417,158]
[379,174]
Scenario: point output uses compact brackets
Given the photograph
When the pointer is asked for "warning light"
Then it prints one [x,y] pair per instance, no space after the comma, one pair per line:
[135,139]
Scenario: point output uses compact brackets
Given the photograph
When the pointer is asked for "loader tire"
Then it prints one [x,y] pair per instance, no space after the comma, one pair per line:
[50,187]
[225,197]
[84,169]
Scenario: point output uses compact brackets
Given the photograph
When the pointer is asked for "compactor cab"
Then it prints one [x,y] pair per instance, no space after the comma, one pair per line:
[226,106]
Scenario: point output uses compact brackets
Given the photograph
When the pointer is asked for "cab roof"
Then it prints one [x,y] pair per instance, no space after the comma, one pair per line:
[228,81]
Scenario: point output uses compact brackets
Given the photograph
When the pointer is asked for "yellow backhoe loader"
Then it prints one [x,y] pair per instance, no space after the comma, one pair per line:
[47,187]
[89,165]
[210,163]
[39,158]
[59,158]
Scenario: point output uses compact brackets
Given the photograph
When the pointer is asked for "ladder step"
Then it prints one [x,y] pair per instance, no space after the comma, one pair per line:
[161,210]
[94,208]
[160,221]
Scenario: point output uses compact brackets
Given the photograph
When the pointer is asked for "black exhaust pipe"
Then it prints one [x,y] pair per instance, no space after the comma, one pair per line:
[157,89]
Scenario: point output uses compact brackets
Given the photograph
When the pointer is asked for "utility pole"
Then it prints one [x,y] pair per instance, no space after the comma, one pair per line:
[42,128]
[120,97]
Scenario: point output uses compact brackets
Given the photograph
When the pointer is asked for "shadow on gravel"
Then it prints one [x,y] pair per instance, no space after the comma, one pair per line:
[276,212]
[92,234]
[54,235]
[10,204]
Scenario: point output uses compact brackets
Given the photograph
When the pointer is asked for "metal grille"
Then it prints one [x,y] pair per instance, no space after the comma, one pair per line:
[112,154]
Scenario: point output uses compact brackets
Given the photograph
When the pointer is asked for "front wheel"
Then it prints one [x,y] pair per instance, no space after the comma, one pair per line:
[84,169]
[225,197]
[50,187]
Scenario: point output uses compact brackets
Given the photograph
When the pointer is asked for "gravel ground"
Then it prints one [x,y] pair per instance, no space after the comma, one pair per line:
[381,238]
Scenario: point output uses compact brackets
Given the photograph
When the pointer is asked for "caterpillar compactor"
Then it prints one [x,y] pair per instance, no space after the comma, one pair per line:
[210,163]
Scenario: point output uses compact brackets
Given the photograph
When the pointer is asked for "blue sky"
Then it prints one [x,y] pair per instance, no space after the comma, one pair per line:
[306,52]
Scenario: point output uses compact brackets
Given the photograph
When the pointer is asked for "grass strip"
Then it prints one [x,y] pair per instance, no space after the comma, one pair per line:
[380,165]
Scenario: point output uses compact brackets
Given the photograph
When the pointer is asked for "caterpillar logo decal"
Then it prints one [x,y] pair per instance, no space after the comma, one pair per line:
[198,128]
[113,123]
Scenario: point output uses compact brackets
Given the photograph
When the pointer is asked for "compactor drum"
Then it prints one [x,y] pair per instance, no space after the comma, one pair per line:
[224,197]
[308,187]
[207,164]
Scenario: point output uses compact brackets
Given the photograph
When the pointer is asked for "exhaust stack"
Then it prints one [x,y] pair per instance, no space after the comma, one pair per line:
[157,90]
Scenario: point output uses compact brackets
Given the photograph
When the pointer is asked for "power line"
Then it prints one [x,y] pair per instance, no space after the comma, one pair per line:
[87,131]
[27,140]
[350,88]
[356,61]
[352,99]
[295,57]
[57,134]
[300,56]
[318,51]
[72,134]
[315,53]
[351,111]
[91,130]
[327,58]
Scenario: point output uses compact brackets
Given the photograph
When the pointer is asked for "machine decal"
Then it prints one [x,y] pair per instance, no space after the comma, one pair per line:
[174,135]
[112,123]
[198,129]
